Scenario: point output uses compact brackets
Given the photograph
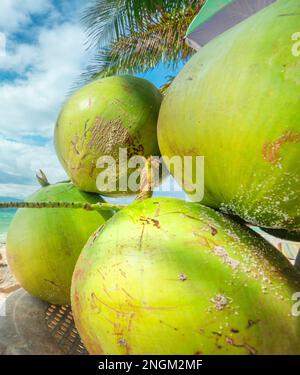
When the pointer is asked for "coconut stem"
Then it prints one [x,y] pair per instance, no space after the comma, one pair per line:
[74,205]
[146,181]
[42,178]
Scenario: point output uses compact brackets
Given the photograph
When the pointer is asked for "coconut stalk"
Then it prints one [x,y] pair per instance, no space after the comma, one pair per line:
[74,205]
[42,178]
[146,191]
[147,179]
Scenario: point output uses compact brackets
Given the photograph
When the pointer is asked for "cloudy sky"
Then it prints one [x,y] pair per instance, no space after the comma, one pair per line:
[45,54]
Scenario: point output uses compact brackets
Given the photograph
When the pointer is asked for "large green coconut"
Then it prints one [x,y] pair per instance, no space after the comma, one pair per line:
[101,118]
[165,276]
[43,244]
[237,103]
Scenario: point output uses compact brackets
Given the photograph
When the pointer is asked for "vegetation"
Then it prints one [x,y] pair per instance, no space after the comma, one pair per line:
[133,36]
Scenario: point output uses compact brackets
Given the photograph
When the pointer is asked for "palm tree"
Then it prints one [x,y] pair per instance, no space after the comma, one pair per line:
[134,36]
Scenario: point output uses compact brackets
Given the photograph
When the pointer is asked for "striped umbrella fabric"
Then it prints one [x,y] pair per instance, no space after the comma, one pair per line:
[287,248]
[218,16]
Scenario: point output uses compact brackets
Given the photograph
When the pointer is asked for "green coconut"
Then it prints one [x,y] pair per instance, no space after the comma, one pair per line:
[98,120]
[165,276]
[237,104]
[43,245]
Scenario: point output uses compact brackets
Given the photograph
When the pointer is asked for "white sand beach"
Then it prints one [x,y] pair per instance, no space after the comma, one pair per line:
[8,284]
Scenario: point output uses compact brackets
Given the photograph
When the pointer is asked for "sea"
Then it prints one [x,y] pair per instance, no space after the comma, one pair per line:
[6,217]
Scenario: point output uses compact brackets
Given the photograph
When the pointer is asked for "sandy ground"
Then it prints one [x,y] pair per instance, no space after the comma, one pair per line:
[8,284]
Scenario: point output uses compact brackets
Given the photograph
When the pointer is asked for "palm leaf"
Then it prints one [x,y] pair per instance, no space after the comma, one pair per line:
[159,39]
[108,20]
[163,89]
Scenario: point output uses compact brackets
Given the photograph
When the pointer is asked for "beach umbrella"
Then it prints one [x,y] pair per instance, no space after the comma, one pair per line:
[297,261]
[217,16]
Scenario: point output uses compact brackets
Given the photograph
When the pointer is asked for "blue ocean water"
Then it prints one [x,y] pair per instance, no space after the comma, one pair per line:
[6,216]
[5,220]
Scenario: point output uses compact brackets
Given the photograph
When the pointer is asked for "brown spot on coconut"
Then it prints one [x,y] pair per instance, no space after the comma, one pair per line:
[219,301]
[271,150]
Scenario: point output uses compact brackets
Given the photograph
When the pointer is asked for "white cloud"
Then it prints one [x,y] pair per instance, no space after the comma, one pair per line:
[24,56]
[16,191]
[19,163]
[29,104]
[14,14]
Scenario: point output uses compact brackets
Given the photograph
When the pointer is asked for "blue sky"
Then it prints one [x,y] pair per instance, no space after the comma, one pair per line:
[45,54]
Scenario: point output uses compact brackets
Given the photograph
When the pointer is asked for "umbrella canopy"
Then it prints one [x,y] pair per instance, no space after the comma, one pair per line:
[217,16]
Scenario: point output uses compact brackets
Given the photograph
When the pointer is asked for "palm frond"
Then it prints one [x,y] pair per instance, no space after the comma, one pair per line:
[108,20]
[159,39]
[169,79]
